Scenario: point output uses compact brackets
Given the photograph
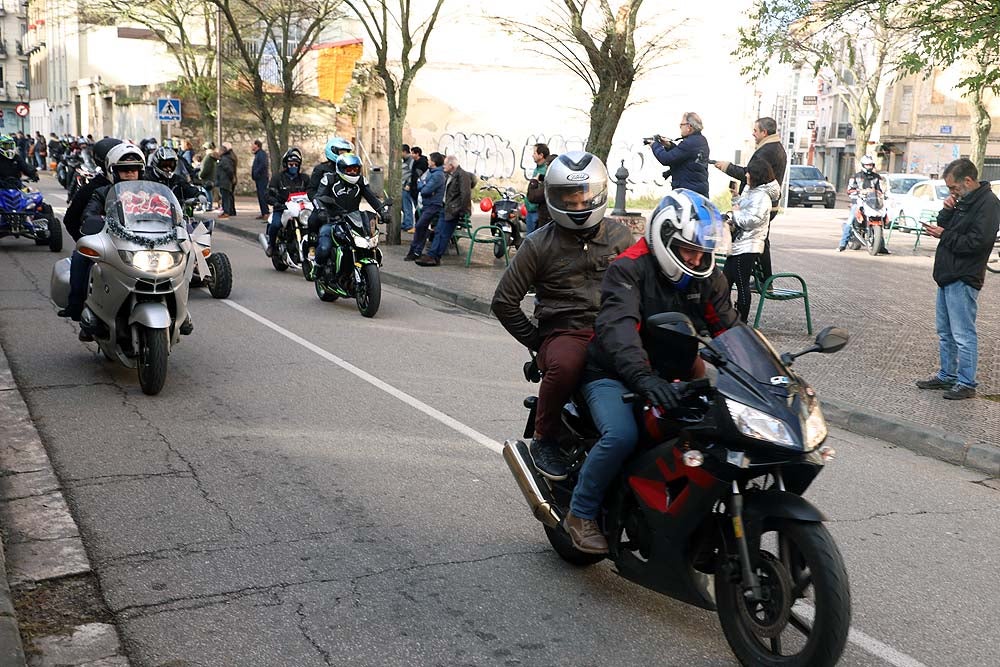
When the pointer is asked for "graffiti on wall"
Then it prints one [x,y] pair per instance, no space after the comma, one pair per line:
[492,155]
[487,155]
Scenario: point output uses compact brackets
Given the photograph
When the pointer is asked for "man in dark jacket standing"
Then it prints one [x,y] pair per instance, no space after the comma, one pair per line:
[225,179]
[769,150]
[418,169]
[967,229]
[688,158]
[259,172]
[457,204]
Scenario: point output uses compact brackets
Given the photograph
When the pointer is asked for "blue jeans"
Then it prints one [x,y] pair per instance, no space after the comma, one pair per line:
[407,203]
[531,221]
[619,434]
[274,226]
[442,234]
[846,236]
[324,244]
[956,329]
[428,214]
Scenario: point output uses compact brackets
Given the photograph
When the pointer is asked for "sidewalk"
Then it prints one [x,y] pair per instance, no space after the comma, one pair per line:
[886,303]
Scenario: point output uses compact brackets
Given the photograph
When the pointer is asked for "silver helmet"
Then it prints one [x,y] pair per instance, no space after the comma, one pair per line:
[576,190]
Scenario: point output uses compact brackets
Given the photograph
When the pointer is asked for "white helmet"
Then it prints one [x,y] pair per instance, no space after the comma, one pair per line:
[868,163]
[122,155]
[576,190]
[684,219]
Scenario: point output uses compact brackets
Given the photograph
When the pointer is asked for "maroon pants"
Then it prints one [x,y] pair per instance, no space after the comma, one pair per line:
[561,357]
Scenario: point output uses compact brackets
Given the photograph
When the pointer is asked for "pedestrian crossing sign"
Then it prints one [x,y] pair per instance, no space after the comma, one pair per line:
[168,110]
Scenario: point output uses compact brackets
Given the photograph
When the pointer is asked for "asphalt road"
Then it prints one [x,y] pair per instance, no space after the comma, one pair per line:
[298,501]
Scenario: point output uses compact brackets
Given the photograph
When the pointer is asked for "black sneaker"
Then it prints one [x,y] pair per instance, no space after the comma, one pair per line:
[548,459]
[934,382]
[410,257]
[85,336]
[187,327]
[960,392]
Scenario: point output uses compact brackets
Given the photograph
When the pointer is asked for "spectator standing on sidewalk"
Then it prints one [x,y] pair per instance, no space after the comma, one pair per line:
[688,158]
[420,167]
[540,156]
[967,229]
[770,150]
[457,205]
[206,173]
[749,223]
[431,188]
[260,173]
[55,148]
[406,200]
[23,144]
[225,179]
[41,151]
[536,194]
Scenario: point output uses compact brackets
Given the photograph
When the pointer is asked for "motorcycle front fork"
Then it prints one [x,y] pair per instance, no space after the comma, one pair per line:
[751,584]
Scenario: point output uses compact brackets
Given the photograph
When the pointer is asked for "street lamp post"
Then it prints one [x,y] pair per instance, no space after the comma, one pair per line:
[21,87]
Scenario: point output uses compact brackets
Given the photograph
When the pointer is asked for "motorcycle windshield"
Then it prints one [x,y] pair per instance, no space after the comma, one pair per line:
[743,346]
[88,161]
[874,199]
[142,207]
[360,221]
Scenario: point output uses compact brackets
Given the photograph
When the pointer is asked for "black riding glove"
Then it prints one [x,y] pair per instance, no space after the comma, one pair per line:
[658,391]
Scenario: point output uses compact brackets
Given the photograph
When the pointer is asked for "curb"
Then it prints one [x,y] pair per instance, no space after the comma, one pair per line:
[11,650]
[938,444]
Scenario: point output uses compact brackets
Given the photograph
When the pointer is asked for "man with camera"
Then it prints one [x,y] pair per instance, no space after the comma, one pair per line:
[687,157]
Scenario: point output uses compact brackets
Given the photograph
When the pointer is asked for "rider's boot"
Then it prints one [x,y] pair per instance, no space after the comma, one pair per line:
[586,535]
[187,326]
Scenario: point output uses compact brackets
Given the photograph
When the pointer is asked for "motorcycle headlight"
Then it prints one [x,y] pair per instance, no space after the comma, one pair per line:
[815,427]
[153,261]
[361,242]
[304,218]
[760,425]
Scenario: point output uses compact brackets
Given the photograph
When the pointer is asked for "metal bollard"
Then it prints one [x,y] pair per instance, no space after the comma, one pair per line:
[621,179]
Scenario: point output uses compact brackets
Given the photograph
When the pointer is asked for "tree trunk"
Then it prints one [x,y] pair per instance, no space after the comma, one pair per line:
[394,170]
[605,113]
[981,126]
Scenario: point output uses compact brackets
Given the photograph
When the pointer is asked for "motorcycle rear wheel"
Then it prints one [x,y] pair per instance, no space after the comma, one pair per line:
[152,365]
[808,606]
[278,257]
[369,291]
[993,263]
[55,240]
[324,294]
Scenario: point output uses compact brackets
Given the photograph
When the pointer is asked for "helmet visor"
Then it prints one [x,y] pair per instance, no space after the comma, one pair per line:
[168,165]
[577,197]
[351,170]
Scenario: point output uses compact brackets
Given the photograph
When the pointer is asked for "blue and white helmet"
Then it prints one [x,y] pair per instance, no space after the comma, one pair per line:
[684,219]
[336,146]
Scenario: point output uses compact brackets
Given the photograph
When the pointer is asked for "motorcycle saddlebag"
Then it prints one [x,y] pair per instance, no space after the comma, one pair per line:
[59,283]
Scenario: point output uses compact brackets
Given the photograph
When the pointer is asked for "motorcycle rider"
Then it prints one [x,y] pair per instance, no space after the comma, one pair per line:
[162,168]
[79,264]
[866,179]
[565,262]
[346,185]
[291,178]
[12,165]
[671,269]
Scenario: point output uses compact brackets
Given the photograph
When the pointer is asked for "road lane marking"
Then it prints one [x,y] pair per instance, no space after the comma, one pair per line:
[856,637]
[415,403]
[865,642]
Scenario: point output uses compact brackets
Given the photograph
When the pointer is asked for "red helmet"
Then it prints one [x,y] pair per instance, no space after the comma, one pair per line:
[485,204]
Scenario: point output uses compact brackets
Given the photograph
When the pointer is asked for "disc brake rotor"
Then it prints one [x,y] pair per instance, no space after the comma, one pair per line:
[768,617]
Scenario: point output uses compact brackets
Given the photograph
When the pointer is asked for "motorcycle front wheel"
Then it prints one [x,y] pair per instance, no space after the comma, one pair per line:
[875,239]
[805,613]
[220,285]
[369,292]
[152,360]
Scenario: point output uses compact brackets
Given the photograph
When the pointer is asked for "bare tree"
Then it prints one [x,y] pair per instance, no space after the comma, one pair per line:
[390,29]
[185,27]
[264,48]
[598,45]
[860,50]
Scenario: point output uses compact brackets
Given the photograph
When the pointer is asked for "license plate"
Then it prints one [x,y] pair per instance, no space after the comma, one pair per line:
[816,199]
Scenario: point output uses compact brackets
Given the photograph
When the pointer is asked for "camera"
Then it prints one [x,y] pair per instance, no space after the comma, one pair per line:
[646,141]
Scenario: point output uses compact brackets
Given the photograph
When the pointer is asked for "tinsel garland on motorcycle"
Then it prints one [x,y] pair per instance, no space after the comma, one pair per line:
[150,242]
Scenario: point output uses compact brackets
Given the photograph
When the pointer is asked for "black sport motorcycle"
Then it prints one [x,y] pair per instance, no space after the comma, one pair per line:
[709,508]
[84,173]
[353,267]
[506,216]
[67,166]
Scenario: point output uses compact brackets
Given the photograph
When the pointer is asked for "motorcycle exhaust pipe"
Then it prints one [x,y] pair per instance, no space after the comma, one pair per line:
[262,240]
[515,453]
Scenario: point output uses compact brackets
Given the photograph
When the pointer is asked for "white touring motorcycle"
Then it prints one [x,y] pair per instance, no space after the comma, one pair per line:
[291,249]
[137,296]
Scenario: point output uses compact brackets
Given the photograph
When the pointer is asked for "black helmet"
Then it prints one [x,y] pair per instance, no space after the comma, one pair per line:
[101,149]
[293,154]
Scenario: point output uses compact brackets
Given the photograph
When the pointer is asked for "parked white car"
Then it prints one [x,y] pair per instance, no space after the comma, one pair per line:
[923,196]
[895,186]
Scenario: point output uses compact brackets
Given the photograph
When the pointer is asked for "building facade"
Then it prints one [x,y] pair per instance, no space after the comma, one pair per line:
[14,79]
[926,124]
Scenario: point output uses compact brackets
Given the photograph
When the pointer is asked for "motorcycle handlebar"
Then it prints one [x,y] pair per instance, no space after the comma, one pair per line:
[684,390]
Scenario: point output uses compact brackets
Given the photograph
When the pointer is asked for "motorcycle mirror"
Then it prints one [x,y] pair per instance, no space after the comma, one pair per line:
[832,339]
[677,323]
[483,178]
